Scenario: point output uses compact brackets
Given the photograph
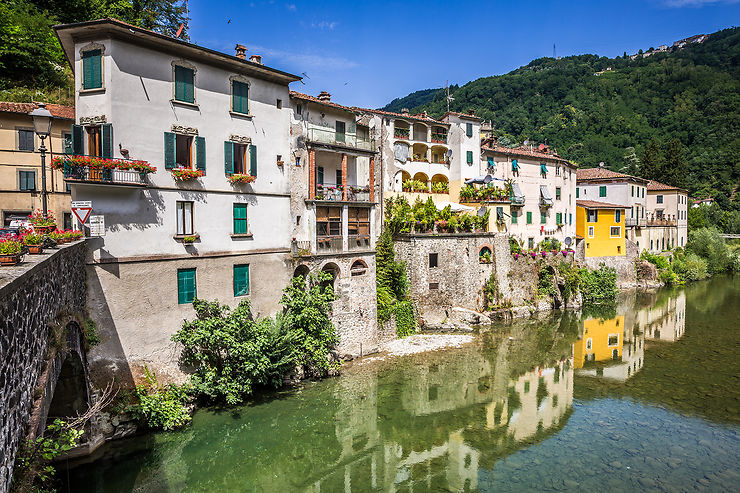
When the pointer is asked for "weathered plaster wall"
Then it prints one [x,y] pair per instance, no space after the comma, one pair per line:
[33,295]
[624,265]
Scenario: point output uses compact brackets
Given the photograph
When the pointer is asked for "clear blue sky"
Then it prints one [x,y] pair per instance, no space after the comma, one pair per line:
[366,53]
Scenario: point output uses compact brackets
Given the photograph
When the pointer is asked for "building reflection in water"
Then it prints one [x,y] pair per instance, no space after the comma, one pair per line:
[609,348]
[664,321]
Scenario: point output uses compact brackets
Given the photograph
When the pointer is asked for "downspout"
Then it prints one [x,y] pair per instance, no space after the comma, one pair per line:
[382,166]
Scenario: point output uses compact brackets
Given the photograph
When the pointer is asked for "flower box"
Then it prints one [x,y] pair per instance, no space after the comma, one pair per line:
[35,249]
[10,259]
[69,163]
[241,179]
[185,174]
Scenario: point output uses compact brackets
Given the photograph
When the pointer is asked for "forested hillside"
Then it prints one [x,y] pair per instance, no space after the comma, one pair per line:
[654,116]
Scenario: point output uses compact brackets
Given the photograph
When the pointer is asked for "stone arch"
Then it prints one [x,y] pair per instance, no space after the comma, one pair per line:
[485,254]
[301,271]
[334,270]
[358,268]
[400,177]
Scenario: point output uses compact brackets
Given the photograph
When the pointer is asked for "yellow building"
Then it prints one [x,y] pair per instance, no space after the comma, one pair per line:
[601,227]
[601,341]
[20,162]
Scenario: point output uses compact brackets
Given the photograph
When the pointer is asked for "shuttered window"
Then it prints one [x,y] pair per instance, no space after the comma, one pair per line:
[241,280]
[529,218]
[559,218]
[543,169]
[106,140]
[602,191]
[185,286]
[514,166]
[514,216]
[27,180]
[469,159]
[253,160]
[77,140]
[25,140]
[469,129]
[543,217]
[578,192]
[92,69]
[320,175]
[328,221]
[618,216]
[184,84]
[557,193]
[358,221]
[240,219]
[200,154]
[240,97]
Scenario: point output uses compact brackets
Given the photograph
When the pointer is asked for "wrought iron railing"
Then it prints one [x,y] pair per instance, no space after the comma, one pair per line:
[335,193]
[439,138]
[330,136]
[104,175]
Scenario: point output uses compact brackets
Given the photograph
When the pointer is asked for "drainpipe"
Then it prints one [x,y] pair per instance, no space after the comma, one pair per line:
[382,178]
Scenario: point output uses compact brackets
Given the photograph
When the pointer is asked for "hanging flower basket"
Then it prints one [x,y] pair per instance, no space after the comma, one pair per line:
[185,174]
[241,179]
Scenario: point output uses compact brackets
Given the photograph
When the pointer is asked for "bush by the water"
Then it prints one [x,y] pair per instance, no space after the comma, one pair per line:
[600,285]
[707,243]
[232,353]
[161,406]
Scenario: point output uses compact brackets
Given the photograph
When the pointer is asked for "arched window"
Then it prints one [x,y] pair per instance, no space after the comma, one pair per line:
[301,271]
[484,255]
[332,269]
[359,268]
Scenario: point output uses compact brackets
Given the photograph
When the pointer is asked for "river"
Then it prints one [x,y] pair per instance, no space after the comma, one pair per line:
[644,396]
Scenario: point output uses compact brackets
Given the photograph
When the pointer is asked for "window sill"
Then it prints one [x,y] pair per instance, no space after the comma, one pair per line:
[242,115]
[92,91]
[236,236]
[185,103]
[181,238]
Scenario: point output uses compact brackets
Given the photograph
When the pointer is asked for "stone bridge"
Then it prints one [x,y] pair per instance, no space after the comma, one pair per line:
[43,368]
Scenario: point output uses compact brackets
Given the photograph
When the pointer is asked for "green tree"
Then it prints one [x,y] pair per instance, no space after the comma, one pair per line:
[652,161]
[675,167]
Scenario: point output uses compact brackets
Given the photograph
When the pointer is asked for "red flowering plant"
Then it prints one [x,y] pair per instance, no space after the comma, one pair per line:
[241,178]
[38,220]
[59,162]
[10,245]
[184,174]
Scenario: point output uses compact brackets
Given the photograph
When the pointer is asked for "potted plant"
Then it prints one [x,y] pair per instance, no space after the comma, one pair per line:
[76,235]
[42,224]
[185,174]
[240,178]
[34,242]
[10,250]
[189,240]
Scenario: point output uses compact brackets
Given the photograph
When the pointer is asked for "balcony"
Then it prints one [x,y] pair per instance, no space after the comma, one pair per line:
[517,201]
[334,193]
[661,221]
[330,136]
[300,248]
[401,133]
[634,222]
[329,244]
[104,171]
[439,138]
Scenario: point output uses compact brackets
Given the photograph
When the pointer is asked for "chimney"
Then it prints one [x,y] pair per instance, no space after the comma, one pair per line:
[324,96]
[241,51]
[256,59]
[404,111]
[471,112]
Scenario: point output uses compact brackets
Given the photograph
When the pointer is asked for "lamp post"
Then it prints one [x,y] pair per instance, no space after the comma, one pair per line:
[42,126]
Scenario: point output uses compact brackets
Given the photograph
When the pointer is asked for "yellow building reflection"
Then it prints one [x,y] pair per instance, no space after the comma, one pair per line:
[608,348]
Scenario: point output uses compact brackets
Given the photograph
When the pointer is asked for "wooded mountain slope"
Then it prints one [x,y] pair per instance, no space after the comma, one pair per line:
[691,95]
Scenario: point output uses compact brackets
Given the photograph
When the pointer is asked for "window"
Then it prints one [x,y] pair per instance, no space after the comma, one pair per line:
[92,69]
[184,84]
[340,131]
[67,142]
[602,191]
[26,180]
[615,232]
[526,387]
[514,215]
[240,97]
[557,193]
[592,216]
[433,286]
[185,286]
[659,199]
[578,192]
[619,249]
[543,217]
[67,220]
[613,340]
[570,218]
[328,221]
[94,147]
[469,129]
[320,175]
[279,104]
[590,231]
[358,268]
[240,219]
[183,151]
[469,157]
[241,280]
[184,218]
[633,191]
[557,170]
[299,109]
[338,176]
[529,217]
[530,243]
[559,218]
[358,222]
[618,216]
[589,343]
[25,140]
[433,260]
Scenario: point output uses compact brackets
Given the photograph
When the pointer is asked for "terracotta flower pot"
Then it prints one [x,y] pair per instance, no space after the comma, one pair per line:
[35,249]
[10,259]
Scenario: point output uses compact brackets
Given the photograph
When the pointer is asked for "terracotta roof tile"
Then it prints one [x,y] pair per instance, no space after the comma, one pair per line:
[585,174]
[656,186]
[593,204]
[526,152]
[314,99]
[56,110]
[418,116]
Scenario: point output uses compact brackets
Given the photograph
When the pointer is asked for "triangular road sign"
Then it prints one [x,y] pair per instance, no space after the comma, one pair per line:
[82,213]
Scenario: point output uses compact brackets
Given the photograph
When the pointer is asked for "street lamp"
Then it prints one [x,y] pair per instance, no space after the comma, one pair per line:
[42,126]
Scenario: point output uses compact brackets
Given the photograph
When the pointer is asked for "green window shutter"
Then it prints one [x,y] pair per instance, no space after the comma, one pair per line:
[241,280]
[570,218]
[578,192]
[470,157]
[543,217]
[240,219]
[514,165]
[320,175]
[106,129]
[559,218]
[184,86]
[469,129]
[543,168]
[513,217]
[240,97]
[529,218]
[229,158]
[253,160]
[602,191]
[92,76]
[169,150]
[185,286]
[200,154]
[77,140]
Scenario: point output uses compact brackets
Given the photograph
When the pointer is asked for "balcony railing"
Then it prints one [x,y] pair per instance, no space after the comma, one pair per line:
[517,201]
[331,244]
[104,176]
[634,222]
[661,221]
[332,137]
[300,248]
[335,193]
[401,133]
[439,138]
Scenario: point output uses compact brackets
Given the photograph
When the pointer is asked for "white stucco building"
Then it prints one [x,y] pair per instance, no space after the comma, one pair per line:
[667,222]
[145,96]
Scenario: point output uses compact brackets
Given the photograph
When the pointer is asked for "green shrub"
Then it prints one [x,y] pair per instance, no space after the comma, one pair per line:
[668,277]
[709,245]
[572,277]
[161,407]
[658,261]
[690,267]
[545,286]
[514,245]
[600,285]
[405,320]
[490,292]
[91,333]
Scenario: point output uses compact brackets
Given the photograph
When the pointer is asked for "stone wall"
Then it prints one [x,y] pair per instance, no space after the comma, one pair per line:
[33,295]
[624,265]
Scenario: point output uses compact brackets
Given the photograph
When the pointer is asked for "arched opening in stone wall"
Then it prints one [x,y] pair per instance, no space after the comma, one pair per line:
[484,255]
[301,271]
[332,269]
[71,397]
[359,268]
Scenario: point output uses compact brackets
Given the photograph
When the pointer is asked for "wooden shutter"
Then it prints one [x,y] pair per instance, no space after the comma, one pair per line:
[186,290]
[240,219]
[77,140]
[241,280]
[106,130]
[169,150]
[189,86]
[228,158]
[200,153]
[92,76]
[253,160]
[240,97]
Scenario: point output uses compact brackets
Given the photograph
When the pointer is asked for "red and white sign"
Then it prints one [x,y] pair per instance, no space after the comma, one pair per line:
[82,209]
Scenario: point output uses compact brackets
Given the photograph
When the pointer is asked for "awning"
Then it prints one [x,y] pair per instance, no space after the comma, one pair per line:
[550,230]
[517,192]
[482,180]
[545,195]
[454,207]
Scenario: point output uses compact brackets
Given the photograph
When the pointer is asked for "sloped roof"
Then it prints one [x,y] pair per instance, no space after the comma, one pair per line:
[594,204]
[314,99]
[56,110]
[419,116]
[658,186]
[598,173]
[526,152]
[464,116]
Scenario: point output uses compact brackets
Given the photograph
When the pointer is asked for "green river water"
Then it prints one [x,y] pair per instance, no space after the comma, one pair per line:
[642,397]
